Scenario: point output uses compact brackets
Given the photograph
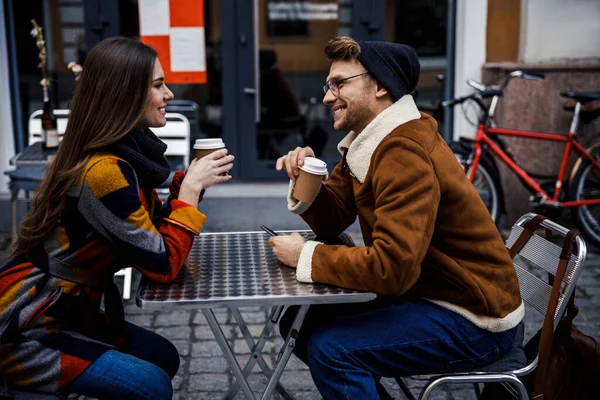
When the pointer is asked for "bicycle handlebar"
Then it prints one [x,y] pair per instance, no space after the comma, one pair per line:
[453,102]
[535,77]
[491,91]
[522,74]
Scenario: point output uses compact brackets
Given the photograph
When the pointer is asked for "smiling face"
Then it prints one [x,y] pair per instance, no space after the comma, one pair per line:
[158,95]
[354,108]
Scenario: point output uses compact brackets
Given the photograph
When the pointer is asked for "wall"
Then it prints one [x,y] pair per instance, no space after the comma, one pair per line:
[305,54]
[537,106]
[560,39]
[503,30]
[559,29]
[471,25]
[7,147]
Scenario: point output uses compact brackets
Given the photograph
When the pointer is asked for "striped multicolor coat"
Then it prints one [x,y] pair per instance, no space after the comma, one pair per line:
[51,324]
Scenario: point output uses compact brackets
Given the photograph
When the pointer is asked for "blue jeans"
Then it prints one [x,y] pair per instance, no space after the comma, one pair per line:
[144,372]
[349,347]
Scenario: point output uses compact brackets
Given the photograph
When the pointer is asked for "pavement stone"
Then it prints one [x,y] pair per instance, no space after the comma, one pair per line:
[175,332]
[204,374]
[202,365]
[203,332]
[244,358]
[255,331]
[183,347]
[223,316]
[143,320]
[206,348]
[173,317]
[214,382]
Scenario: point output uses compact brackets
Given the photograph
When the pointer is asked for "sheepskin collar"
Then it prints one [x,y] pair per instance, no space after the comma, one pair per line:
[361,147]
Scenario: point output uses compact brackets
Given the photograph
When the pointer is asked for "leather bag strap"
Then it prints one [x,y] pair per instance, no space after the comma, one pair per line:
[528,231]
[547,335]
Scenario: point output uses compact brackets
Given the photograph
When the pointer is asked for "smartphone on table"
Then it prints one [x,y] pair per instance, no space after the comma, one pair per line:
[271,232]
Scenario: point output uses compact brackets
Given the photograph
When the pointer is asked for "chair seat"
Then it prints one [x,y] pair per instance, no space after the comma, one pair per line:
[30,173]
[514,358]
[582,97]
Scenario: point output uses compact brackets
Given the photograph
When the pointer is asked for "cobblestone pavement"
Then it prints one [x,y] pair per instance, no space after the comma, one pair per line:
[204,374]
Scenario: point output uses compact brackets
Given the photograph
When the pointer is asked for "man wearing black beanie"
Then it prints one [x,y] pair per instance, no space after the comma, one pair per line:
[448,295]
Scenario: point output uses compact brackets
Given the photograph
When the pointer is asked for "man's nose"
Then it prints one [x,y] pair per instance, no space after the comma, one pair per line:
[328,98]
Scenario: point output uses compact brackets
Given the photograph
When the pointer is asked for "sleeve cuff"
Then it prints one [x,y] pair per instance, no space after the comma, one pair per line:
[304,268]
[186,216]
[296,206]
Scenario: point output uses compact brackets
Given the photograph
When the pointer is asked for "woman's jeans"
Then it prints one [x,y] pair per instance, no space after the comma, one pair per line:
[349,347]
[145,372]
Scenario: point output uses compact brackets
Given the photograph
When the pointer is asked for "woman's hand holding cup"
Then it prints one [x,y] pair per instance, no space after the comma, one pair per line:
[204,173]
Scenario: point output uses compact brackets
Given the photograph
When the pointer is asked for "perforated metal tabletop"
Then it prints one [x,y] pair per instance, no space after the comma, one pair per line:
[34,155]
[236,269]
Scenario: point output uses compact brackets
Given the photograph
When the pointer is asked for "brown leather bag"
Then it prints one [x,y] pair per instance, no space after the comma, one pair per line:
[573,365]
[569,361]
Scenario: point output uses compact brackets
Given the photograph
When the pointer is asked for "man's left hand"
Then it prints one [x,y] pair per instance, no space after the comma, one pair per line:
[287,248]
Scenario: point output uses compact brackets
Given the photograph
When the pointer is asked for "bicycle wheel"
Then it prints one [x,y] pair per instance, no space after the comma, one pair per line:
[585,185]
[487,184]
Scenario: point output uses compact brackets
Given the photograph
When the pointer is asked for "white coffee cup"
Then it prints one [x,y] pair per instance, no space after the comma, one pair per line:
[204,147]
[309,179]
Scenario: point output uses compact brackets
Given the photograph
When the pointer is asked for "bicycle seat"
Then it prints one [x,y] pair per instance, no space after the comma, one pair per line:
[582,97]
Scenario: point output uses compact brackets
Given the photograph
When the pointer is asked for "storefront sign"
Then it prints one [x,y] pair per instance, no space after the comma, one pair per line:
[302,11]
[175,29]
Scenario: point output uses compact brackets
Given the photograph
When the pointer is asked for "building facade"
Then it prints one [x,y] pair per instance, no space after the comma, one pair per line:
[265,65]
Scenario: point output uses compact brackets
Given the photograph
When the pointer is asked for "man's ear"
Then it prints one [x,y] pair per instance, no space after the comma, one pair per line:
[381,91]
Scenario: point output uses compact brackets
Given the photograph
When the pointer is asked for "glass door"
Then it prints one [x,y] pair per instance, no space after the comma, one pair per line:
[281,70]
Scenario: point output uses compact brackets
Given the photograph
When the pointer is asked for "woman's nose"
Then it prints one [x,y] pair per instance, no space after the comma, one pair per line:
[169,94]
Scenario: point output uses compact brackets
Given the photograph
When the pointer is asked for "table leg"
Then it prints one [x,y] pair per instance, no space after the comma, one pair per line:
[227,352]
[286,352]
[256,349]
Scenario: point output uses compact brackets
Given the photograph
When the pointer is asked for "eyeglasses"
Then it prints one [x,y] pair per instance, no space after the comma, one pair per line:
[333,84]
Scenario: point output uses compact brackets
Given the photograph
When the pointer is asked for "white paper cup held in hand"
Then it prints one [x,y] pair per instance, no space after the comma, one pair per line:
[204,147]
[309,179]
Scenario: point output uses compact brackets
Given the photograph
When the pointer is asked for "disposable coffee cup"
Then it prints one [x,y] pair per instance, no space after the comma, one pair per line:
[309,179]
[204,147]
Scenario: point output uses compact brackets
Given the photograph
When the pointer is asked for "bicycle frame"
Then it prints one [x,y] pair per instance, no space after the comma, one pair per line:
[571,143]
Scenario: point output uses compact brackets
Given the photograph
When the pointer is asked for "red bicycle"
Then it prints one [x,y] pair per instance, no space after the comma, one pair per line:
[580,191]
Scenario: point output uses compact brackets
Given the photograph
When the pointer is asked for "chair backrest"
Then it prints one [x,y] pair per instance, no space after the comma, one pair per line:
[538,258]
[35,125]
[176,133]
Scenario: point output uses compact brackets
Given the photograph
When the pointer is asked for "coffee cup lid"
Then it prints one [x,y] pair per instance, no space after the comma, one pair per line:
[215,143]
[314,166]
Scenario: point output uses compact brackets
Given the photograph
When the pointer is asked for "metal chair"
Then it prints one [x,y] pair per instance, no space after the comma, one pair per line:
[538,258]
[176,135]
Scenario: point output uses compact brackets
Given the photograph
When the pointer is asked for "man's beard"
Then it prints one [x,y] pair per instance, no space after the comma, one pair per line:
[354,115]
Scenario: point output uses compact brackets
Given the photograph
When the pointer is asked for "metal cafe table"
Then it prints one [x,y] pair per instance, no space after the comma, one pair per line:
[29,171]
[238,269]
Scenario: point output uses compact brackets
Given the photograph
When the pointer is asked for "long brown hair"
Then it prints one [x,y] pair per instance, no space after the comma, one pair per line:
[108,103]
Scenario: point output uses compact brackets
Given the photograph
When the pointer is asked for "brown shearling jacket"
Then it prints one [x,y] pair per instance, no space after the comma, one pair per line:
[426,231]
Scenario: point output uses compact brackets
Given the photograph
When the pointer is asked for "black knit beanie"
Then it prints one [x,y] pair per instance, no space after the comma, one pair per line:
[395,66]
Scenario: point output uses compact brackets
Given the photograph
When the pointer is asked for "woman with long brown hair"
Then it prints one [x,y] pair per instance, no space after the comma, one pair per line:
[95,212]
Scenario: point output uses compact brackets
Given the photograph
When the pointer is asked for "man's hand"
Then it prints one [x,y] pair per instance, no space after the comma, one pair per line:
[294,159]
[287,248]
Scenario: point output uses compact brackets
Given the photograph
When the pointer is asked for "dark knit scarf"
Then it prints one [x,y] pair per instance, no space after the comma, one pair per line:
[146,154]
